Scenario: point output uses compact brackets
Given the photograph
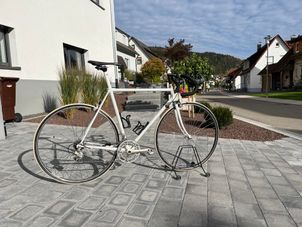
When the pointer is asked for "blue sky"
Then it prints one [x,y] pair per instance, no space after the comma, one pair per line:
[223,26]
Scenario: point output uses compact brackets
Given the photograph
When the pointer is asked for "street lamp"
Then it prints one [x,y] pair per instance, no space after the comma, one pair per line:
[267,40]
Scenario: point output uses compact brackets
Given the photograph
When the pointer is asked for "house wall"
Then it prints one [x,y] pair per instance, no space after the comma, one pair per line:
[297,74]
[141,54]
[276,52]
[238,83]
[36,43]
[125,40]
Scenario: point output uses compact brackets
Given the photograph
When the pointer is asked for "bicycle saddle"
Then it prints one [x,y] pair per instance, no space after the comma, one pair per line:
[102,65]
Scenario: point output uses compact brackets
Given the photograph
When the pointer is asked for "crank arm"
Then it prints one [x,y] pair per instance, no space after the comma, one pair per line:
[141,151]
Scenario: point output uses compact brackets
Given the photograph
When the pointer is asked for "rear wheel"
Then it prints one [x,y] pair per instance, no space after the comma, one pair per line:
[56,144]
[180,151]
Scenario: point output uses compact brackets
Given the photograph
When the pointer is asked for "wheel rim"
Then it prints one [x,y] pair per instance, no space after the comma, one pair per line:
[59,133]
[179,151]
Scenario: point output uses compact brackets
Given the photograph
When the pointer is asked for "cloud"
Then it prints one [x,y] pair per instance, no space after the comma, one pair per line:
[223,26]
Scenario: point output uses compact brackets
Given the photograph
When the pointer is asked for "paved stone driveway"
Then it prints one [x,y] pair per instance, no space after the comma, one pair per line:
[251,184]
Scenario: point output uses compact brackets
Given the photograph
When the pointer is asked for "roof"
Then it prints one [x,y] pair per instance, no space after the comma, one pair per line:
[234,72]
[121,31]
[293,40]
[144,48]
[254,58]
[125,49]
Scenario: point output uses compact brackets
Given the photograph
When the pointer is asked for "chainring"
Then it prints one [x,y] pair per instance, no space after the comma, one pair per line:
[123,151]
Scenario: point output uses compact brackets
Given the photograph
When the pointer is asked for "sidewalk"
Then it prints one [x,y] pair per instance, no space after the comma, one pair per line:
[251,184]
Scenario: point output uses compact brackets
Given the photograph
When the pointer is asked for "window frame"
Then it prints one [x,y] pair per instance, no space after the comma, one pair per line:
[98,3]
[66,50]
[5,30]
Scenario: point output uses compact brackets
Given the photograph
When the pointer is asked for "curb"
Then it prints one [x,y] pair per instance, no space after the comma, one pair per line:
[268,127]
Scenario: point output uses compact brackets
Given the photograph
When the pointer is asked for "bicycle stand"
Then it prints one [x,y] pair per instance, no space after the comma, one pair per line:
[177,157]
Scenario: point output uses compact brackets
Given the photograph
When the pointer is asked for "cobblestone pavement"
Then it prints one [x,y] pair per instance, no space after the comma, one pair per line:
[251,184]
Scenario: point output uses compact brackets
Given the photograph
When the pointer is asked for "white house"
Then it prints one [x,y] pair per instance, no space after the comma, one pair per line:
[38,38]
[249,78]
[132,52]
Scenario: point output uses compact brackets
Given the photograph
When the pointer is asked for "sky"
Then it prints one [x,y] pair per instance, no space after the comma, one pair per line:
[233,27]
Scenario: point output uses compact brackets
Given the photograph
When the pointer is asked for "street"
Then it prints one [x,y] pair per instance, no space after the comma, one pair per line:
[278,115]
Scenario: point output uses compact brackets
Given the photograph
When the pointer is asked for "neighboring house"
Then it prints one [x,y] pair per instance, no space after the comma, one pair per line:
[38,39]
[126,54]
[288,71]
[131,52]
[251,67]
[234,80]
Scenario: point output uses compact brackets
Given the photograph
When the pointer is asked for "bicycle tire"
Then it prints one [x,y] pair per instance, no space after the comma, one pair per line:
[178,151]
[59,132]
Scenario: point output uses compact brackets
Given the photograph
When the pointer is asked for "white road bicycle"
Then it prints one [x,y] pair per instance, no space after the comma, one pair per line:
[79,142]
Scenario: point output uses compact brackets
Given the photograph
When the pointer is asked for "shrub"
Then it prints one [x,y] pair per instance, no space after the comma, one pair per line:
[89,88]
[102,87]
[69,85]
[224,116]
[129,74]
[49,102]
[153,69]
[206,104]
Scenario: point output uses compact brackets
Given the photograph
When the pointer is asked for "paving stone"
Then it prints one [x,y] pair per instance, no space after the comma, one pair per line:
[246,222]
[295,213]
[92,203]
[264,193]
[239,185]
[26,213]
[75,218]
[173,193]
[6,182]
[283,190]
[160,175]
[121,200]
[243,196]
[76,194]
[279,180]
[116,180]
[249,211]
[127,222]
[271,172]
[10,223]
[194,211]
[272,206]
[278,220]
[196,189]
[141,210]
[166,213]
[42,221]
[105,190]
[108,216]
[59,208]
[221,216]
[131,188]
[136,177]
[259,182]
[155,184]
[148,196]
[220,199]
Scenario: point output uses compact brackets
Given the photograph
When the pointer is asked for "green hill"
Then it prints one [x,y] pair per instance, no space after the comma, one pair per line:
[221,62]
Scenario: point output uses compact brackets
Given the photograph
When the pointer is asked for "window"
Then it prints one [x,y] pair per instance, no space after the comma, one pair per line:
[74,57]
[297,47]
[127,62]
[277,45]
[4,46]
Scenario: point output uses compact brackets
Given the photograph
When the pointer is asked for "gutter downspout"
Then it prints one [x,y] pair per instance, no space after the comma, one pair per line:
[113,41]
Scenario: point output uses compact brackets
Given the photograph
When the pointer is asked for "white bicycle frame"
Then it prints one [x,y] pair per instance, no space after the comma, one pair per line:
[174,97]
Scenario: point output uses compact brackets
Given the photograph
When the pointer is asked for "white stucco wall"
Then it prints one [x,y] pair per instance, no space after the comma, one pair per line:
[238,83]
[41,28]
[141,54]
[276,52]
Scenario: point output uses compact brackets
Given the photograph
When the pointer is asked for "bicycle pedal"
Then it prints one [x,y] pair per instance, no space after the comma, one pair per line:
[150,152]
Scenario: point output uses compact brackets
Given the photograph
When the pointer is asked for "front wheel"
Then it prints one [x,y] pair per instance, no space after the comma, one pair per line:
[57,139]
[187,141]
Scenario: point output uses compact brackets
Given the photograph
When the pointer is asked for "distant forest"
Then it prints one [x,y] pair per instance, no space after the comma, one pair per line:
[221,62]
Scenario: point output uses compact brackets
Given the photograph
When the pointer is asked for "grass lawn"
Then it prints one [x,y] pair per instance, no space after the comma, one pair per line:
[293,95]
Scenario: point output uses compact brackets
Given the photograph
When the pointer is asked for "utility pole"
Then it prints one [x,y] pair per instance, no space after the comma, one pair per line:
[267,39]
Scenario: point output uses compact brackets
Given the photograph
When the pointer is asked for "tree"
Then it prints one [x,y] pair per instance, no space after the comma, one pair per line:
[195,66]
[176,51]
[153,69]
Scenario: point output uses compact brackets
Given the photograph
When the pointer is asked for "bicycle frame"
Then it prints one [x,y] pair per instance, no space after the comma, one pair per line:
[111,91]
